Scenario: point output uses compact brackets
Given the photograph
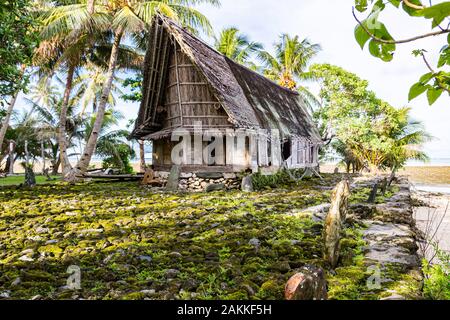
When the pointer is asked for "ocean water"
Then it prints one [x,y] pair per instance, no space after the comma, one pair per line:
[433,162]
[445,189]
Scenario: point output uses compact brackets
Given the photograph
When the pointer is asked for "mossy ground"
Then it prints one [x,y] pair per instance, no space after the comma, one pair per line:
[132,243]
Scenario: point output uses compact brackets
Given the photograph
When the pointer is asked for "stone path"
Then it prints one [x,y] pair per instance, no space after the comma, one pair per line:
[391,240]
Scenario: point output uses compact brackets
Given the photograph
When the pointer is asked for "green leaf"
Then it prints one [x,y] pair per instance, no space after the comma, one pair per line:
[361,5]
[426,78]
[433,94]
[361,36]
[438,12]
[444,58]
[416,90]
[395,3]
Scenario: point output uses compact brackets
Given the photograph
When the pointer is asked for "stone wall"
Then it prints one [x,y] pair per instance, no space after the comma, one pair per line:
[199,182]
[391,240]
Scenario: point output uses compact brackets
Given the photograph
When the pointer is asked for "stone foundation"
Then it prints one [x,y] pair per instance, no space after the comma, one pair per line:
[199,182]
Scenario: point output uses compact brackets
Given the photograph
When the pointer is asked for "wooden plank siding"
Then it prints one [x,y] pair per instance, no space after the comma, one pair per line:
[188,97]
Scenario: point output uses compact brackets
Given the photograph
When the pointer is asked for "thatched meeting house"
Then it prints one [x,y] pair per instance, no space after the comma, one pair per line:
[187,83]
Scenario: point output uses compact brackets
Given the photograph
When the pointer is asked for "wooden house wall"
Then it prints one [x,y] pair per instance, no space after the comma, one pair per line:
[188,97]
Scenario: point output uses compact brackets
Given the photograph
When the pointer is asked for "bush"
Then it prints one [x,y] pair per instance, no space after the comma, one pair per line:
[261,182]
[437,277]
[121,160]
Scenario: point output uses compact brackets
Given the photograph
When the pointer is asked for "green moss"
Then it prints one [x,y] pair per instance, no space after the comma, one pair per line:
[125,238]
[361,195]
[271,290]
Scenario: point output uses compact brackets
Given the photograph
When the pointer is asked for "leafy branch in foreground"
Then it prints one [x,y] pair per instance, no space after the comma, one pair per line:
[373,33]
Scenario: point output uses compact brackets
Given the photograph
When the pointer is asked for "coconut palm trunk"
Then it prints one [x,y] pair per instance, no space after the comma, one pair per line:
[89,149]
[62,136]
[5,122]
[90,6]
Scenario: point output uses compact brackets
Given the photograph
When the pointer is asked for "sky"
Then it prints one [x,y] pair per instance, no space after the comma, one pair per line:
[331,24]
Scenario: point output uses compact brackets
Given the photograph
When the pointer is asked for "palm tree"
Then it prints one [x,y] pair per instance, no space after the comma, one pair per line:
[9,111]
[237,46]
[46,102]
[88,87]
[121,18]
[409,135]
[77,35]
[290,64]
[67,32]
[112,145]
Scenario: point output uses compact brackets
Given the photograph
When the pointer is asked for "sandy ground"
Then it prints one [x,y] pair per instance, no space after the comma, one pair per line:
[425,175]
[434,218]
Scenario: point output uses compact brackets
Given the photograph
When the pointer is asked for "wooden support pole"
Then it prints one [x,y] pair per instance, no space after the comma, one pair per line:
[177,71]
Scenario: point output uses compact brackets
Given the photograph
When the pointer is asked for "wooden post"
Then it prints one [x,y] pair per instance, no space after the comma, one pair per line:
[263,157]
[373,194]
[276,149]
[142,155]
[334,221]
[177,71]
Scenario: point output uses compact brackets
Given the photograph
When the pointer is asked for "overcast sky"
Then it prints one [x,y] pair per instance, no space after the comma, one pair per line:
[330,23]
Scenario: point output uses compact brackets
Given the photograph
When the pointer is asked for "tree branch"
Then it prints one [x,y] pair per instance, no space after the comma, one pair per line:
[427,35]
[413,6]
[442,86]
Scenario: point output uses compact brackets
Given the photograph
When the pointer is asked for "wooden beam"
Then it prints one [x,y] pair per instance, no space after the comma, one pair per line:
[178,81]
[155,64]
[182,66]
[164,59]
[192,103]
[187,84]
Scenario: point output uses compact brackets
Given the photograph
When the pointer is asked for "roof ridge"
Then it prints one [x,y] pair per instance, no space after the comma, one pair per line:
[227,58]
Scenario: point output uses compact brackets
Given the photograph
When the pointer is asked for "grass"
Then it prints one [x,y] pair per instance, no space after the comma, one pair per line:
[19,179]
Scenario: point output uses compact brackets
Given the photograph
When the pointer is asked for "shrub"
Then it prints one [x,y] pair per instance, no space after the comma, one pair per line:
[119,160]
[437,277]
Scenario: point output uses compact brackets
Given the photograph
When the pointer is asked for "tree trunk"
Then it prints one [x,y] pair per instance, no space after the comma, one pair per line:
[90,6]
[91,144]
[11,158]
[5,122]
[56,165]
[43,157]
[142,155]
[27,154]
[62,139]
[392,176]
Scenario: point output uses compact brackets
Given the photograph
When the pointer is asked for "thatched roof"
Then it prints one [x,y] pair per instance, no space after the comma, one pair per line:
[250,100]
